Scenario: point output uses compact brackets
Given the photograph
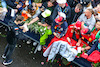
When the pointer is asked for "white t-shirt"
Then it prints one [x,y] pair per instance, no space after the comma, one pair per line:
[88,23]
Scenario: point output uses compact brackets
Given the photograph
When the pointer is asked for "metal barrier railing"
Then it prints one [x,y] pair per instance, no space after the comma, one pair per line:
[25,36]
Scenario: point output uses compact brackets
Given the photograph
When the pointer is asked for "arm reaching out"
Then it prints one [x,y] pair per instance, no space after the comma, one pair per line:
[34,20]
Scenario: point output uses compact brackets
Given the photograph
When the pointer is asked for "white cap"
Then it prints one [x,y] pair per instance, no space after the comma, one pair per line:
[63,15]
[61,1]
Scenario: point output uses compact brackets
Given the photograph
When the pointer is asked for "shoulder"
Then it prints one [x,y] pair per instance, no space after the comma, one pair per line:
[45,4]
[93,20]
[82,15]
[57,7]
[68,6]
[65,23]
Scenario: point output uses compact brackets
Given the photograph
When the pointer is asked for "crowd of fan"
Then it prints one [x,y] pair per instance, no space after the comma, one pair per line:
[70,25]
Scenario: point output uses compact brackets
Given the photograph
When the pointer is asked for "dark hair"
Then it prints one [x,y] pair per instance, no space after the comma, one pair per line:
[53,2]
[79,6]
[19,18]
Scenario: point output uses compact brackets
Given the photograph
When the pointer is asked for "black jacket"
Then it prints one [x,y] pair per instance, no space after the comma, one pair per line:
[12,34]
[11,3]
[74,16]
[95,2]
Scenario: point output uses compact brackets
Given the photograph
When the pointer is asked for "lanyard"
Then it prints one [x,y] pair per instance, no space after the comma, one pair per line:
[60,10]
[63,10]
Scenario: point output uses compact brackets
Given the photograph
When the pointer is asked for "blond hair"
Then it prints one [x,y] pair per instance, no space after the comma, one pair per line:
[91,11]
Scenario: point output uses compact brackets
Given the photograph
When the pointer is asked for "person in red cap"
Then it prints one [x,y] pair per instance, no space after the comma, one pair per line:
[87,38]
[73,32]
[59,27]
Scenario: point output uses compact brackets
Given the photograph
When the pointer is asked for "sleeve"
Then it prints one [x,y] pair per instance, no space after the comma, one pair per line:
[49,20]
[81,17]
[55,12]
[11,4]
[93,4]
[68,15]
[40,16]
[92,24]
[52,27]
[64,29]
[70,2]
[37,13]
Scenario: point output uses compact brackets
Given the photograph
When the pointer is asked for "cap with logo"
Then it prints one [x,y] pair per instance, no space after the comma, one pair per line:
[78,25]
[61,18]
[85,31]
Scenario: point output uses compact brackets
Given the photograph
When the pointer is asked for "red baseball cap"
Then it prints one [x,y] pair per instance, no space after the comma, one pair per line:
[78,25]
[85,31]
[59,19]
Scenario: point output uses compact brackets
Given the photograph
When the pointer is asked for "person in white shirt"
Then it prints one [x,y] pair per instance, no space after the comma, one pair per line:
[88,19]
